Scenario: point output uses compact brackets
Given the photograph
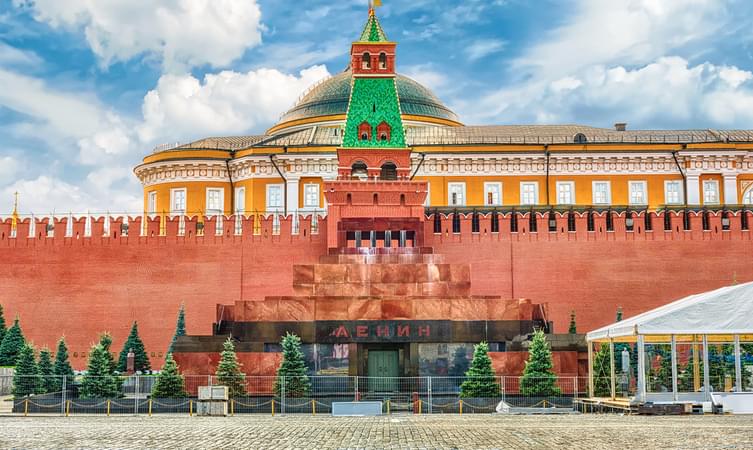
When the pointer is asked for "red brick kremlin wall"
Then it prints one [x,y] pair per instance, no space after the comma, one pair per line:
[83,286]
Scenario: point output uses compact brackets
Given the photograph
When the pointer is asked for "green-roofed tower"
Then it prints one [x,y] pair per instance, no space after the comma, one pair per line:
[374,116]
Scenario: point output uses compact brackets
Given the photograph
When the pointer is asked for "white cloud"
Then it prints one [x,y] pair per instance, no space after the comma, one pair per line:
[224,103]
[11,56]
[668,93]
[626,61]
[627,32]
[179,33]
[428,76]
[9,167]
[46,194]
[485,47]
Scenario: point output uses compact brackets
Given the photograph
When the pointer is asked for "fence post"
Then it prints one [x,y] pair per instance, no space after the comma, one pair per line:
[282,396]
[136,395]
[355,392]
[576,387]
[63,396]
[502,381]
[428,388]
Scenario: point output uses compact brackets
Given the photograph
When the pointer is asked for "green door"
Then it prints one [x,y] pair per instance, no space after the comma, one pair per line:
[383,368]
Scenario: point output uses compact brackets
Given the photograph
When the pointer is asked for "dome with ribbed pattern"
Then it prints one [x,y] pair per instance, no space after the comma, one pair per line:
[331,96]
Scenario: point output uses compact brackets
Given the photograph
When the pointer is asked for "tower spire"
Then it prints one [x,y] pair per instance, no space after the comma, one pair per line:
[14,215]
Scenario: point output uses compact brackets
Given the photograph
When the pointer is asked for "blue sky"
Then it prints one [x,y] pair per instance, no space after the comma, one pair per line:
[88,87]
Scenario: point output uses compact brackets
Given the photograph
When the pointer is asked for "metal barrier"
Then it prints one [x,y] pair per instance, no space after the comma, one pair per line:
[132,395]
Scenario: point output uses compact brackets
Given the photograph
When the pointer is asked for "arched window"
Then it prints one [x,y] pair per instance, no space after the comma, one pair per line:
[580,138]
[389,171]
[364,131]
[748,196]
[383,131]
[359,170]
[383,61]
[366,61]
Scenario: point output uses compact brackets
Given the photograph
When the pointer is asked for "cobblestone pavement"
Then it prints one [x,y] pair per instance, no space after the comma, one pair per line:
[421,432]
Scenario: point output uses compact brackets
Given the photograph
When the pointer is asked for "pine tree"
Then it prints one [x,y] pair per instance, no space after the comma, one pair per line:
[134,343]
[99,382]
[292,370]
[26,376]
[2,324]
[46,373]
[62,367]
[539,380]
[105,340]
[170,383]
[602,372]
[229,371]
[480,381]
[573,328]
[180,327]
[13,342]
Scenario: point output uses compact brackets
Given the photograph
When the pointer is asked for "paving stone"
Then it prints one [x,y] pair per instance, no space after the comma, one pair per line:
[388,432]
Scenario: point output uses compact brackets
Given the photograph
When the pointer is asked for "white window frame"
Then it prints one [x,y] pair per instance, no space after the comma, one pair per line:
[523,192]
[644,190]
[173,209]
[240,201]
[278,209]
[450,191]
[715,184]
[608,199]
[490,187]
[571,185]
[306,203]
[221,198]
[667,201]
[151,203]
[748,196]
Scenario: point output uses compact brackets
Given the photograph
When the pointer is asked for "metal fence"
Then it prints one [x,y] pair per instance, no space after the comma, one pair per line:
[133,395]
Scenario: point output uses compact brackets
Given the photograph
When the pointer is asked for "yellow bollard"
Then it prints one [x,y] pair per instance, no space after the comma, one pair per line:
[313,407]
[273,408]
[150,407]
[419,406]
[232,407]
[108,408]
[26,407]
[190,408]
[388,407]
[461,407]
[67,408]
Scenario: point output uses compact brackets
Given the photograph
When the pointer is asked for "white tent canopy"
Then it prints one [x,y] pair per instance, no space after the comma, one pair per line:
[724,311]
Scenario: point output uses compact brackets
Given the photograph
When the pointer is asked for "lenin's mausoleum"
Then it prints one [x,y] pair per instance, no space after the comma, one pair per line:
[390,236]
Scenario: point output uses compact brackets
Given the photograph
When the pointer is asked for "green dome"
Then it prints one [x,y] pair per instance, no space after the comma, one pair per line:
[331,98]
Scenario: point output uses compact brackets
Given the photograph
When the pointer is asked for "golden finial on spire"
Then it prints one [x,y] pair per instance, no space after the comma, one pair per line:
[14,215]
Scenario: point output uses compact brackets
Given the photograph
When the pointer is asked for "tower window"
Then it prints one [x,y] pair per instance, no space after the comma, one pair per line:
[389,171]
[383,61]
[364,131]
[359,170]
[366,61]
[383,131]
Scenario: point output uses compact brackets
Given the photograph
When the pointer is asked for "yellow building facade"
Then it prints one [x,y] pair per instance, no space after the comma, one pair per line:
[479,168]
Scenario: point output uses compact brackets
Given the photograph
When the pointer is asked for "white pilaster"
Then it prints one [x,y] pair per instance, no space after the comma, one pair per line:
[730,188]
[292,195]
[694,189]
